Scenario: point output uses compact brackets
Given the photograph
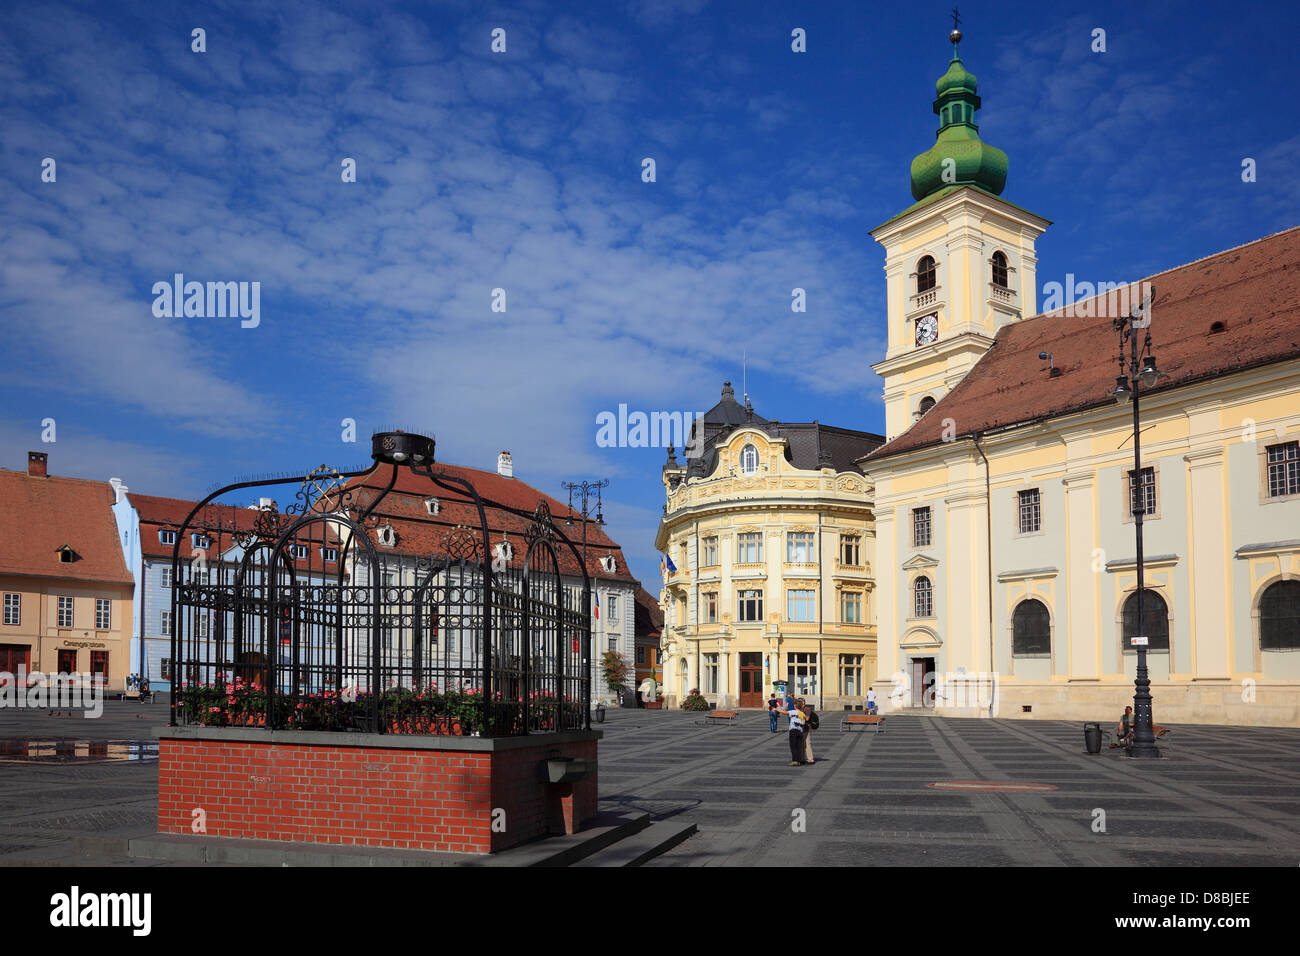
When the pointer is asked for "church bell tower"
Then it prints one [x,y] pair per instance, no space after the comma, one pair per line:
[959,262]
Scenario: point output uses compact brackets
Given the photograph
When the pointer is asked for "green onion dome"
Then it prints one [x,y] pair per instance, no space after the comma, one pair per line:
[973,162]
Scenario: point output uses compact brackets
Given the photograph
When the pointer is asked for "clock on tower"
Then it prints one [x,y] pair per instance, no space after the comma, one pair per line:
[927,328]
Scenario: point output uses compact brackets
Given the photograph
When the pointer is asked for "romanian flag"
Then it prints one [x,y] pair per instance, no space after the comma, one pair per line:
[597,595]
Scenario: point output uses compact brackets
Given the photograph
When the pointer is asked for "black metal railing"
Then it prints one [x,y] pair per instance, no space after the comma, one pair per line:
[353,611]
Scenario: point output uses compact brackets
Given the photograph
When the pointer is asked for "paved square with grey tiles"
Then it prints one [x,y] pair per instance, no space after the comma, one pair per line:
[1222,796]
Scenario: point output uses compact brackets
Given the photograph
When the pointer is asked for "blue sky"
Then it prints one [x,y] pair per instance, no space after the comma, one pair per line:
[522,171]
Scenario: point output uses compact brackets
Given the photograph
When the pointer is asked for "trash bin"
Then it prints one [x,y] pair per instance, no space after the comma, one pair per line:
[600,712]
[1092,738]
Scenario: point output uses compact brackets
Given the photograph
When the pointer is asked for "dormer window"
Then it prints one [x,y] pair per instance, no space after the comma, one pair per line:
[749,460]
[67,555]
[608,564]
[167,537]
[999,262]
[431,505]
[199,540]
[926,274]
[299,552]
[330,554]
[387,536]
[504,551]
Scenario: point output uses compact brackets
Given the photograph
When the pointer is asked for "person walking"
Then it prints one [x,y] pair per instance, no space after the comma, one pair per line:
[796,732]
[772,704]
[811,723]
[871,700]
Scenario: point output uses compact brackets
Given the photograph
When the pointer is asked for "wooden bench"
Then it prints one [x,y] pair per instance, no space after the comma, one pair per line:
[849,721]
[718,717]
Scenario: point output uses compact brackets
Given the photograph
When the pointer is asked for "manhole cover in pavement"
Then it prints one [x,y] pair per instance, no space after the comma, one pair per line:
[993,786]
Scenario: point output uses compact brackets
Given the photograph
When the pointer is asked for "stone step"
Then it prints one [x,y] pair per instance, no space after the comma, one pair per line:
[603,830]
[646,845]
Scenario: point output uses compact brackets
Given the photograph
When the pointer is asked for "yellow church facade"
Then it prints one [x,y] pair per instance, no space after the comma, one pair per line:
[1005,539]
[769,534]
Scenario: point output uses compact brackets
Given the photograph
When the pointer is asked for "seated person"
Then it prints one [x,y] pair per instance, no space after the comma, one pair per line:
[1125,730]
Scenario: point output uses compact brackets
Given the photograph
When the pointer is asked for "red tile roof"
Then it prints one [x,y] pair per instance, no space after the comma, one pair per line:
[216,520]
[38,515]
[1254,290]
[649,615]
[419,533]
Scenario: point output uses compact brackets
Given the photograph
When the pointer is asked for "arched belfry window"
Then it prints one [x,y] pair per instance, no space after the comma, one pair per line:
[1031,629]
[1155,621]
[1279,617]
[749,460]
[999,270]
[927,403]
[925,274]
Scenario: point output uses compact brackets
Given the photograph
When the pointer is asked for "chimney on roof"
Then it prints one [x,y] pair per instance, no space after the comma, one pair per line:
[263,504]
[505,467]
[36,464]
[119,490]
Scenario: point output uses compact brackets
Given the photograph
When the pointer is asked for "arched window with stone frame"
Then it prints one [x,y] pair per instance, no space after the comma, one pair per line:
[999,263]
[1279,616]
[922,597]
[926,274]
[1155,621]
[1031,629]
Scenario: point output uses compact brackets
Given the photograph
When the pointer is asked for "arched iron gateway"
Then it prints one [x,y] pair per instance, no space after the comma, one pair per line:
[318,618]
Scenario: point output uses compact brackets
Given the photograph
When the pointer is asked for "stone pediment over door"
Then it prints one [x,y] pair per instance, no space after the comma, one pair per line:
[919,638]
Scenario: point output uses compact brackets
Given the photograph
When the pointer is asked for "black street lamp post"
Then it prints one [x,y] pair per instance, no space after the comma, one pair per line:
[1128,386]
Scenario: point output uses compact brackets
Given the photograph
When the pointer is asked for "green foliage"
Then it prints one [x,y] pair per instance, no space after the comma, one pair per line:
[615,669]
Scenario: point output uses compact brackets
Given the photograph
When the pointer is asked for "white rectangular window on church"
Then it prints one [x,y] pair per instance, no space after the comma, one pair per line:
[1143,496]
[1284,469]
[1031,515]
[921,527]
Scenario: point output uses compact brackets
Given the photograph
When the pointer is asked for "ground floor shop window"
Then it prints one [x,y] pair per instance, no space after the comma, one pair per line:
[710,673]
[802,671]
[67,662]
[850,675]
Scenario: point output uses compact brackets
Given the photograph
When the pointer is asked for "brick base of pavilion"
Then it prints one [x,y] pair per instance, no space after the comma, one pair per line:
[455,794]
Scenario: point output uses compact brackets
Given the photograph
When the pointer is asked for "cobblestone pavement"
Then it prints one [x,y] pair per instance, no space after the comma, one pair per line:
[1223,796]
[62,777]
